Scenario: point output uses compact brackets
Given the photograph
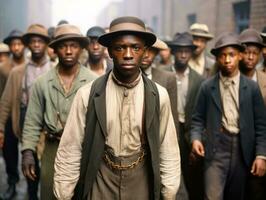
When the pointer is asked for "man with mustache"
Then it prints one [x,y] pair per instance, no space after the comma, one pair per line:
[120,139]
[50,102]
[17,91]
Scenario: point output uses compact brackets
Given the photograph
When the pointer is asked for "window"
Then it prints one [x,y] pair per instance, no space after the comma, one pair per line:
[241,11]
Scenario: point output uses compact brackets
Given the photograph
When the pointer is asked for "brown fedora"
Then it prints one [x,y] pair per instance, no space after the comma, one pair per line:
[67,32]
[124,26]
[251,36]
[224,40]
[200,30]
[36,30]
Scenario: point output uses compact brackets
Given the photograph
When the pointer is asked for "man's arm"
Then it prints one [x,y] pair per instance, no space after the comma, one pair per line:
[67,162]
[169,150]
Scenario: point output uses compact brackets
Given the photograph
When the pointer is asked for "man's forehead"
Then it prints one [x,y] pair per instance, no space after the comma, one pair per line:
[128,38]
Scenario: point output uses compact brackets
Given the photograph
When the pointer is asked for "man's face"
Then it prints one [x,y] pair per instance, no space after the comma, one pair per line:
[4,58]
[51,53]
[165,54]
[68,52]
[228,60]
[148,58]
[251,56]
[182,56]
[201,43]
[264,54]
[37,46]
[95,50]
[17,47]
[127,52]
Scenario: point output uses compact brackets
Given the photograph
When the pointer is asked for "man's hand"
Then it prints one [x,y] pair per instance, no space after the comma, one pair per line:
[258,167]
[28,164]
[197,147]
[2,137]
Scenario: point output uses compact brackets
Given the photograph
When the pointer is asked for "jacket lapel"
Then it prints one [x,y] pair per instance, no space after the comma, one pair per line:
[215,92]
[242,90]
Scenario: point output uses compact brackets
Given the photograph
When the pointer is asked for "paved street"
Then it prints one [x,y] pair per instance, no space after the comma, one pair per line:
[21,186]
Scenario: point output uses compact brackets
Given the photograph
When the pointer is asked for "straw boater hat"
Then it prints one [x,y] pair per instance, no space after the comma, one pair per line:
[36,30]
[224,40]
[14,34]
[127,25]
[67,32]
[200,30]
[4,48]
[182,40]
[251,36]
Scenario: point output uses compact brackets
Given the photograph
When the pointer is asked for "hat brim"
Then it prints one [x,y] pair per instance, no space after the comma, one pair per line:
[215,51]
[8,39]
[84,41]
[204,35]
[26,37]
[107,38]
[174,45]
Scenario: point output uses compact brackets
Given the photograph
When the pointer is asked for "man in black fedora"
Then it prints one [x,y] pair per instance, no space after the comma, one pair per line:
[188,82]
[228,125]
[50,102]
[120,139]
[96,52]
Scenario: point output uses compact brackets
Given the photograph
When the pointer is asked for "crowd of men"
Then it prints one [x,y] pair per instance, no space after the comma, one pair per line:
[121,114]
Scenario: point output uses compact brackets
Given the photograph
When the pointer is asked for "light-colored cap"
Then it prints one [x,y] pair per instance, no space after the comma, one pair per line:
[200,30]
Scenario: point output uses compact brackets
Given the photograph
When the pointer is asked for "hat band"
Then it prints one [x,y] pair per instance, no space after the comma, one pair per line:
[67,35]
[199,31]
[126,26]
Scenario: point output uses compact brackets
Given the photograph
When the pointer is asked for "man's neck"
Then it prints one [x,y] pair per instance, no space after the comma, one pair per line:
[181,70]
[96,64]
[67,70]
[19,61]
[38,61]
[249,73]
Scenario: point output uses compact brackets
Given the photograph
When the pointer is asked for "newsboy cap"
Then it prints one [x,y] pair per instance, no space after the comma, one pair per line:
[36,30]
[95,31]
[200,30]
[127,25]
[4,48]
[224,40]
[68,32]
[251,36]
[182,40]
[14,34]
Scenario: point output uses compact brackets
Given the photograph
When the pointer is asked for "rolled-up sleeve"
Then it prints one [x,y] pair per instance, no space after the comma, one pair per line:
[169,149]
[67,162]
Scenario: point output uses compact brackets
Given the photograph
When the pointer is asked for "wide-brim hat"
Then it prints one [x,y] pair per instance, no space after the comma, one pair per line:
[4,48]
[14,34]
[127,26]
[36,30]
[200,30]
[227,39]
[68,32]
[182,40]
[160,45]
[251,36]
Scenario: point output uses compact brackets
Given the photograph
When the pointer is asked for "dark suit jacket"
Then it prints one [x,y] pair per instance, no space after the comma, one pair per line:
[168,81]
[207,117]
[194,82]
[261,79]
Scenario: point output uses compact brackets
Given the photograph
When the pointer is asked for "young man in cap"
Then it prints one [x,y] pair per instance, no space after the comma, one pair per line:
[50,102]
[188,82]
[253,44]
[228,125]
[17,91]
[120,139]
[200,61]
[16,46]
[96,58]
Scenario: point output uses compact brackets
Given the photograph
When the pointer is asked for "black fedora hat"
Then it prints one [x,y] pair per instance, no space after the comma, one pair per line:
[182,40]
[251,36]
[124,26]
[226,39]
[95,32]
[14,34]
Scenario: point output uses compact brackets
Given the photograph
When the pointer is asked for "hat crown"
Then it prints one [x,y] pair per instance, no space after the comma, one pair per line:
[227,39]
[250,36]
[4,48]
[66,29]
[183,39]
[127,23]
[37,29]
[15,33]
[203,28]
[95,31]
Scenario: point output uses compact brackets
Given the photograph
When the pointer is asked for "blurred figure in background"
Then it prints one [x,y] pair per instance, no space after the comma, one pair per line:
[263,35]
[200,61]
[50,51]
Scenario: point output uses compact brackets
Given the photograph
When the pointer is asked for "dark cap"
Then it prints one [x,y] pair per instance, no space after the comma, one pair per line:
[14,34]
[182,40]
[251,36]
[224,40]
[95,31]
[124,26]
